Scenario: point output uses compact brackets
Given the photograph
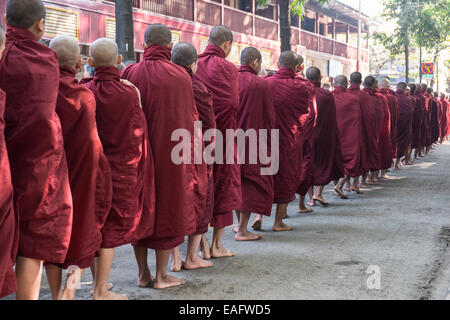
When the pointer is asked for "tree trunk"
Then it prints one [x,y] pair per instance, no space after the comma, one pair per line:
[285,25]
[407,62]
[124,29]
[420,65]
[436,71]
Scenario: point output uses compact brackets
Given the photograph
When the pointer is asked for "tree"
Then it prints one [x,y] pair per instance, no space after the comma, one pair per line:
[286,8]
[125,29]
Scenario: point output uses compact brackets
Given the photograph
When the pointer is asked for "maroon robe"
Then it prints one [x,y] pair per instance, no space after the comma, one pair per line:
[385,143]
[370,149]
[444,118]
[123,131]
[435,119]
[419,110]
[29,75]
[327,151]
[204,103]
[291,99]
[349,120]
[89,172]
[426,121]
[8,226]
[256,112]
[168,103]
[221,78]
[406,108]
[393,110]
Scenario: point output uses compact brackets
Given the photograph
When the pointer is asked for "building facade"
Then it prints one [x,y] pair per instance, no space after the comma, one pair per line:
[327,36]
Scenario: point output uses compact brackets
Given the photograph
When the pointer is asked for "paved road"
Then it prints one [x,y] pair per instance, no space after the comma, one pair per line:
[399,230]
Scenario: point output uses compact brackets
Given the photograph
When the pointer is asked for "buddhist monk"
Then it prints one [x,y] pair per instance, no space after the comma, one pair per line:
[89,172]
[221,78]
[385,90]
[389,103]
[257,114]
[184,54]
[29,75]
[181,187]
[291,98]
[349,119]
[419,108]
[435,116]
[327,152]
[426,120]
[370,150]
[444,119]
[8,226]
[406,108]
[123,131]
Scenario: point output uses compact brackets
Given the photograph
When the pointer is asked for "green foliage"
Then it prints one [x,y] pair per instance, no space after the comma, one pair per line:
[297,7]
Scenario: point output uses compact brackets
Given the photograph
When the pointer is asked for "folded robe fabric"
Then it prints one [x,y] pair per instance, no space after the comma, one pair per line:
[348,115]
[385,135]
[221,78]
[168,104]
[8,226]
[123,132]
[406,108]
[291,99]
[29,75]
[89,172]
[327,151]
[393,111]
[256,113]
[419,111]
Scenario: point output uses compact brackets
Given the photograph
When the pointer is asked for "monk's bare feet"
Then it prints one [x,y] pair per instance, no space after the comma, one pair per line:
[311,203]
[257,224]
[167,282]
[340,193]
[197,263]
[357,190]
[247,236]
[305,210]
[281,227]
[348,189]
[220,252]
[109,286]
[145,279]
[205,250]
[321,200]
[363,185]
[175,265]
[235,228]
[108,295]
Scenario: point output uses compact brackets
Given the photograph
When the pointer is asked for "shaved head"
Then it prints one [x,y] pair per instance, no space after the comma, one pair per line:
[67,50]
[385,83]
[2,37]
[219,35]
[158,33]
[370,82]
[402,86]
[423,86]
[356,78]
[341,81]
[300,60]
[249,55]
[313,74]
[24,13]
[288,59]
[184,54]
[430,91]
[104,52]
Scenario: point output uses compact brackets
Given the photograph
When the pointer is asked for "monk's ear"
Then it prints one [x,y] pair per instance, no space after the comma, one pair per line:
[278,65]
[79,65]
[144,45]
[119,59]
[91,62]
[5,18]
[40,26]
[170,46]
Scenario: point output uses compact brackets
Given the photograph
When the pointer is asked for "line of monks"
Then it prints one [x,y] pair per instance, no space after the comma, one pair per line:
[86,166]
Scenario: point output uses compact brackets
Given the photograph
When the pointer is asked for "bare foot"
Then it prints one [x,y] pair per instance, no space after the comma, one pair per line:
[321,201]
[256,225]
[305,210]
[340,193]
[357,190]
[247,236]
[363,185]
[109,286]
[198,263]
[311,203]
[145,279]
[205,253]
[281,227]
[168,282]
[235,228]
[221,253]
[176,264]
[108,295]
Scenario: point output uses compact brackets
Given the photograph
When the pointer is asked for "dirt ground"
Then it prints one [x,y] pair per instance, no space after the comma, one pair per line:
[399,228]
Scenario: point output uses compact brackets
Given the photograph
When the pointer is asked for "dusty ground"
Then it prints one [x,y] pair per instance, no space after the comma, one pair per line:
[401,226]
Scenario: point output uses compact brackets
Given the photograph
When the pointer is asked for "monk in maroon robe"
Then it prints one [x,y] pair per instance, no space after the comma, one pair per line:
[256,115]
[8,226]
[370,149]
[327,151]
[419,109]
[291,98]
[444,117]
[385,141]
[184,54]
[349,119]
[406,108]
[221,78]
[89,172]
[29,75]
[426,121]
[435,116]
[123,131]
[393,111]
[169,105]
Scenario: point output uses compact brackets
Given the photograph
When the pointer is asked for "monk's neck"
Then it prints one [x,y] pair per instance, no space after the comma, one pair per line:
[286,73]
[106,73]
[212,49]
[355,86]
[247,69]
[20,32]
[66,71]
[157,52]
[316,83]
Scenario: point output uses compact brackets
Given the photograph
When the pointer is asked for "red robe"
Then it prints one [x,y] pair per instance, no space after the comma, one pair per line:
[419,110]
[393,111]
[435,119]
[221,78]
[406,108]
[291,99]
[168,103]
[256,112]
[29,75]
[8,227]
[123,131]
[385,143]
[370,149]
[327,152]
[204,103]
[89,172]
[444,119]
[349,119]
[426,121]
